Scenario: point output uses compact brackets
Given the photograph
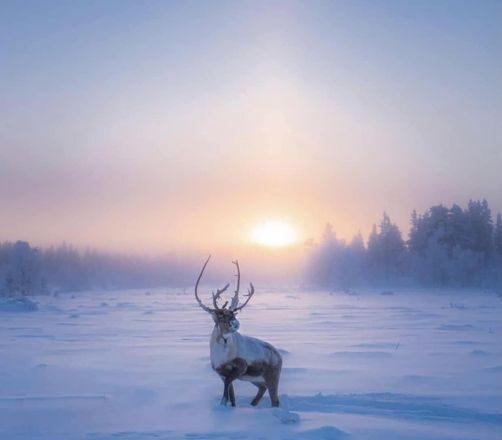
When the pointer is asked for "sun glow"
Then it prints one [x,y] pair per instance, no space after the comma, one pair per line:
[274,233]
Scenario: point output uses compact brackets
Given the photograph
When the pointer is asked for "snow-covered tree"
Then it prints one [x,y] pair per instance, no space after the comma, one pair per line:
[480,227]
[22,274]
[386,251]
[497,236]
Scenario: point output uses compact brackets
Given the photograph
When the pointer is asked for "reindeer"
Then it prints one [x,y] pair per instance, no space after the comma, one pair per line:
[235,356]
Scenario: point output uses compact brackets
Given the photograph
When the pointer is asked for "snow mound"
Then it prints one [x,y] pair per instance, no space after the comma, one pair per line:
[286,417]
[18,305]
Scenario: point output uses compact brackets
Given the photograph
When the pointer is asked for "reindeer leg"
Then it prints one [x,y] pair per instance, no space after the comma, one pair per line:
[236,372]
[229,390]
[272,381]
[229,373]
[224,398]
[228,393]
[231,394]
[261,391]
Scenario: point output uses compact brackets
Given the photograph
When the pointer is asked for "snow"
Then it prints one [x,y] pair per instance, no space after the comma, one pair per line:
[134,365]
[21,304]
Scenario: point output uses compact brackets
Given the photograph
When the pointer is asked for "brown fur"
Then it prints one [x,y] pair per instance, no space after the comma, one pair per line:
[239,367]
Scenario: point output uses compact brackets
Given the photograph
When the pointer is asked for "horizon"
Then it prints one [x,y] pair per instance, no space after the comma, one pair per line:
[255,247]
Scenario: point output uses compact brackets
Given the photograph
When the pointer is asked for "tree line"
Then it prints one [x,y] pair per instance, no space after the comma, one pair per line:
[27,270]
[458,247]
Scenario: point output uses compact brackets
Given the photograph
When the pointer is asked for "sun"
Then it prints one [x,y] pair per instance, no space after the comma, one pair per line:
[274,233]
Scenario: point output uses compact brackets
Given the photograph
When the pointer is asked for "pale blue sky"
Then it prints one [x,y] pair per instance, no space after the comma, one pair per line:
[137,125]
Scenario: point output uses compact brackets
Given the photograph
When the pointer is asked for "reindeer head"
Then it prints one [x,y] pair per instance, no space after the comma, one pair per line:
[224,317]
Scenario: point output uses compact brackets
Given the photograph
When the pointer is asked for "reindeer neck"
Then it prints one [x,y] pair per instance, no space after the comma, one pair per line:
[218,338]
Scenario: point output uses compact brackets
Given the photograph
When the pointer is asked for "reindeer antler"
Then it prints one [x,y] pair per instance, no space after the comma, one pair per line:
[234,305]
[217,295]
[235,299]
[201,304]
[248,296]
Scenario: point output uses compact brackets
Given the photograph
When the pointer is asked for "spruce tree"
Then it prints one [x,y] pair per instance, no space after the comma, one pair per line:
[497,236]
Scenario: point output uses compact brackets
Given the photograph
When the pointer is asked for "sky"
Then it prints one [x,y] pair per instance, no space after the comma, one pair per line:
[147,126]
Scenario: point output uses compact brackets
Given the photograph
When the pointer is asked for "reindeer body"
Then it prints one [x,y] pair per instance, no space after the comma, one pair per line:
[234,345]
[248,359]
[235,356]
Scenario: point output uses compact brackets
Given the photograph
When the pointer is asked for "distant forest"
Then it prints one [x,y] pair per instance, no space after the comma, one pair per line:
[451,247]
[25,270]
[448,247]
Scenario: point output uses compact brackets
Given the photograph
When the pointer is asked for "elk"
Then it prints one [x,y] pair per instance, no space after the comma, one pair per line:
[235,356]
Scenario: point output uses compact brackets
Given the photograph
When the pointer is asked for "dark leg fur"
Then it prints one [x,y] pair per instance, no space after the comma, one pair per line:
[229,373]
[261,391]
[272,381]
[224,398]
[231,393]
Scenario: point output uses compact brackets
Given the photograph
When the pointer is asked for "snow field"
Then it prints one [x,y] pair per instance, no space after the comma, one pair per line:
[134,365]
